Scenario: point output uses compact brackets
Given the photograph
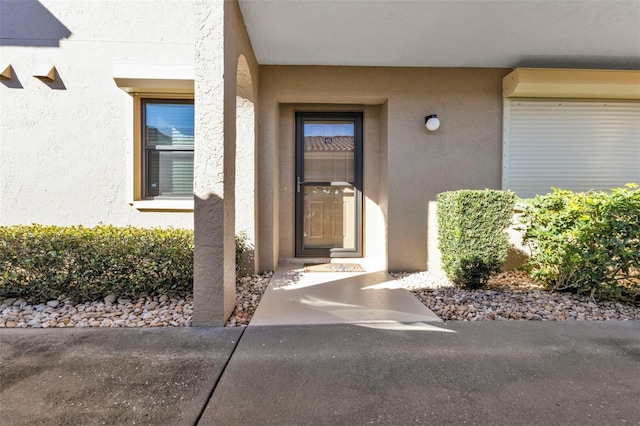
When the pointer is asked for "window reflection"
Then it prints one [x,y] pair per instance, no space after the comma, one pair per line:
[329,152]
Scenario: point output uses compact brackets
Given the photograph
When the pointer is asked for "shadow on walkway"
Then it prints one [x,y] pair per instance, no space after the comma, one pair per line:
[295,297]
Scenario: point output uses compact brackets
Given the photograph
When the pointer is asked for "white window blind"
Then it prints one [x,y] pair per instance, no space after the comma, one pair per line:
[577,145]
[169,142]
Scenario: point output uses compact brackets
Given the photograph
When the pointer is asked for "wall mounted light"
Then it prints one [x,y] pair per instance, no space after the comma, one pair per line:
[431,122]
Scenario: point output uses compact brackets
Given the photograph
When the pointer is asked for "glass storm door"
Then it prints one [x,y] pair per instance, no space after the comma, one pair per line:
[328,184]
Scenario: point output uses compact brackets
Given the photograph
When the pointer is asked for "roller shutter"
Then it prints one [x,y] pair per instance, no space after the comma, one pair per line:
[575,144]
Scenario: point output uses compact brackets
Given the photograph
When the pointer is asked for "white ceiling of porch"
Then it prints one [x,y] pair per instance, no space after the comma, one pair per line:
[445,33]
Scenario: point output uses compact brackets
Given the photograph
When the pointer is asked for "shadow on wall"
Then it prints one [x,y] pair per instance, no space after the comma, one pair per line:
[214,274]
[246,266]
[516,257]
[29,23]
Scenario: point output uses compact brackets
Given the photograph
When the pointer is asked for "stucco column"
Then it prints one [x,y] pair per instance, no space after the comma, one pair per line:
[214,257]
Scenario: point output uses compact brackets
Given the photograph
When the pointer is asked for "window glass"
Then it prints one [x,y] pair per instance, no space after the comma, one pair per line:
[168,138]
[329,151]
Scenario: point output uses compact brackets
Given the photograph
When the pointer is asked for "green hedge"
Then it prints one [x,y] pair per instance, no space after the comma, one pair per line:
[43,262]
[471,233]
[586,242]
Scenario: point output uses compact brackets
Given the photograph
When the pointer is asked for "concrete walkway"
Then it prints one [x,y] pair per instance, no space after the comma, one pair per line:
[295,297]
[106,376]
[326,349]
[484,373]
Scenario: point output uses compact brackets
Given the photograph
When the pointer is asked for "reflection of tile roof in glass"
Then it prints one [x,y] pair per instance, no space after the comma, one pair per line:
[335,143]
[179,138]
[157,137]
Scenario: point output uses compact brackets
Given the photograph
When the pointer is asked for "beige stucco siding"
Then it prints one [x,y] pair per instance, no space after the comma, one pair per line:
[221,40]
[66,145]
[413,164]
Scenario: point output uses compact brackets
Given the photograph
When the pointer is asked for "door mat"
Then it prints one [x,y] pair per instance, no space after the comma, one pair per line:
[333,267]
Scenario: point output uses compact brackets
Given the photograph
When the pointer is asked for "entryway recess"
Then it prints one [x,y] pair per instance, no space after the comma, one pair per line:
[328,183]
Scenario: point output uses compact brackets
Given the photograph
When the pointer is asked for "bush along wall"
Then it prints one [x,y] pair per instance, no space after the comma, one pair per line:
[587,242]
[472,233]
[44,262]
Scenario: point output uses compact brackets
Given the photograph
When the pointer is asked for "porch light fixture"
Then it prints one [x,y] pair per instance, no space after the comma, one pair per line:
[431,122]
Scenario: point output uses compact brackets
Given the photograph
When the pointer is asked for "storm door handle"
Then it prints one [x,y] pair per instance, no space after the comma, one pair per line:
[298,183]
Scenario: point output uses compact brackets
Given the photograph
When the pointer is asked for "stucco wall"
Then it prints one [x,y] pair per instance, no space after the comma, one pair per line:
[219,89]
[464,153]
[65,145]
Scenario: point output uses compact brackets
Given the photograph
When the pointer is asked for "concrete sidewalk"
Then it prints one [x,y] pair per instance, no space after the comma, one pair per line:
[161,376]
[484,373]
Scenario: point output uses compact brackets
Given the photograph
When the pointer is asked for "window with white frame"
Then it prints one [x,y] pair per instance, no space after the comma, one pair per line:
[167,131]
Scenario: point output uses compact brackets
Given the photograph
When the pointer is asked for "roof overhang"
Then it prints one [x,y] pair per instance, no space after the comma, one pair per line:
[445,33]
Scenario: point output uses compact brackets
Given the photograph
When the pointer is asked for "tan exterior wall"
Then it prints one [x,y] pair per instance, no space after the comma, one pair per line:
[221,40]
[66,146]
[415,164]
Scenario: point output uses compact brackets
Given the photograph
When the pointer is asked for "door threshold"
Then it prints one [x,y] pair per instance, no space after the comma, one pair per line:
[370,264]
[303,260]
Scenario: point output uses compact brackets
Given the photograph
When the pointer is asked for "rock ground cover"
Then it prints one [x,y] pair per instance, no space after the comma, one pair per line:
[508,296]
[146,311]
[249,291]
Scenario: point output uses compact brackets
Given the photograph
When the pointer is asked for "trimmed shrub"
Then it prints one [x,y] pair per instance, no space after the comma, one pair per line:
[43,262]
[585,242]
[471,232]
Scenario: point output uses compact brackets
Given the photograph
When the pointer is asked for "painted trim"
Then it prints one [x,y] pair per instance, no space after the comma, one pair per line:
[142,146]
[164,205]
[571,84]
[135,178]
[154,78]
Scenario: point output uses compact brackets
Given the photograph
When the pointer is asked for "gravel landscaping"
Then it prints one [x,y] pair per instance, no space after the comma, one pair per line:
[508,296]
[249,291]
[146,311]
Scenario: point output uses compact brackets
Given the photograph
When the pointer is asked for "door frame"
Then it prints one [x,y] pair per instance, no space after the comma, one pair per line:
[357,118]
